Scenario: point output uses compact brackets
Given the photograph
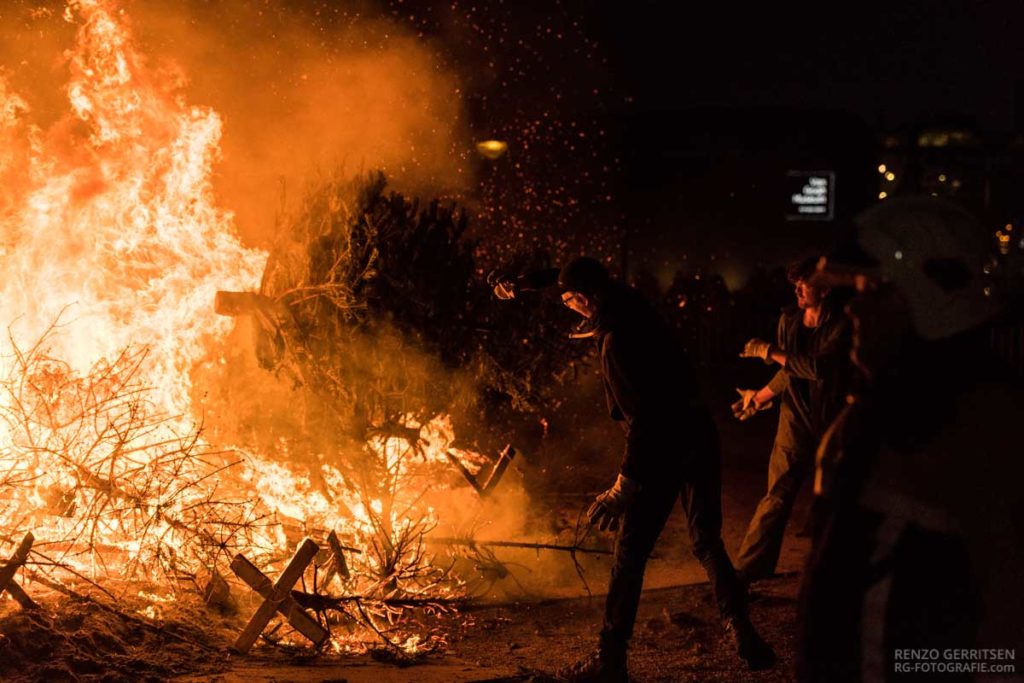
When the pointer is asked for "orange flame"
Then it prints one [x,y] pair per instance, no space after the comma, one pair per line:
[110,214]
[108,225]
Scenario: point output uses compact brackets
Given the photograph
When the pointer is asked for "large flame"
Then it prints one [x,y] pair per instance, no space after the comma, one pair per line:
[108,220]
[112,250]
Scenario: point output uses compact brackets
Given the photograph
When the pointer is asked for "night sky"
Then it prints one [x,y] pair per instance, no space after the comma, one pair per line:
[892,63]
[692,112]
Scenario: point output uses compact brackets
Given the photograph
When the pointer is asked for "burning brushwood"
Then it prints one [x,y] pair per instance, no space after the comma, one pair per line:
[277,598]
[8,571]
[104,453]
[115,470]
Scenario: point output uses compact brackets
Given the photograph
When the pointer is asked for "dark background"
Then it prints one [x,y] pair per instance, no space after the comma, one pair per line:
[694,113]
[728,99]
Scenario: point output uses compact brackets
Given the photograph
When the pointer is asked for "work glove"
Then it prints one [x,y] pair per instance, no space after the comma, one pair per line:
[747,407]
[609,506]
[756,348]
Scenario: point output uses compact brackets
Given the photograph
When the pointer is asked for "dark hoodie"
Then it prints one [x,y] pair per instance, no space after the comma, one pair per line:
[651,387]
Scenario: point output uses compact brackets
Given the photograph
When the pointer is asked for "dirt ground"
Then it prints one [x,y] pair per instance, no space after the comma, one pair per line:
[678,637]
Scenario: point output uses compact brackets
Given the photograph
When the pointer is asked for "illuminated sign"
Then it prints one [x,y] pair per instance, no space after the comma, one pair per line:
[811,195]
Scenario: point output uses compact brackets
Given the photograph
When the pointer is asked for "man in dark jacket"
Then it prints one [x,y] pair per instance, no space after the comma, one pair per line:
[672,451]
[812,350]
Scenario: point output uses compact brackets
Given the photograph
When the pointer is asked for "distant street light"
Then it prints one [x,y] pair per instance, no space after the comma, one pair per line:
[492,149]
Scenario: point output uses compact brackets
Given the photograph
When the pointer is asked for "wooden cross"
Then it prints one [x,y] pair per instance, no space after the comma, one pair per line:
[277,598]
[8,571]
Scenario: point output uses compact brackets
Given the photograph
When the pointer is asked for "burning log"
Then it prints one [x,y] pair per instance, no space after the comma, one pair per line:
[277,598]
[8,571]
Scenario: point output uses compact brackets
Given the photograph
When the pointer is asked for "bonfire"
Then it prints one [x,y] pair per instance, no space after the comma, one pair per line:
[314,515]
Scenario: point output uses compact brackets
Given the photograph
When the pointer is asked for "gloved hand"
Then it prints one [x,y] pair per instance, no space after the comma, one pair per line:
[757,348]
[504,290]
[504,287]
[747,406]
[610,505]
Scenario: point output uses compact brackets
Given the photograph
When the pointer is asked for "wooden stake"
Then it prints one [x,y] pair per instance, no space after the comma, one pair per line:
[517,544]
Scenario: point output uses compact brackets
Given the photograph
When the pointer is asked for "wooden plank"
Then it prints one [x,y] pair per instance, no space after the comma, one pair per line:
[8,571]
[277,598]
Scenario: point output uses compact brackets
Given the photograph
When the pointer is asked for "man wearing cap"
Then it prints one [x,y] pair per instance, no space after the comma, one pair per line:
[811,350]
[672,452]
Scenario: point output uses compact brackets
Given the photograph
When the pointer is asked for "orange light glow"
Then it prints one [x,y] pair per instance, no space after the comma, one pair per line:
[492,149]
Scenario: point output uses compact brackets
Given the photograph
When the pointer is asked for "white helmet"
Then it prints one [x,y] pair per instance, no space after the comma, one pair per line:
[934,252]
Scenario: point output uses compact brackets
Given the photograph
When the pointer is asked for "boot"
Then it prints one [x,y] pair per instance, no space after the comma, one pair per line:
[598,667]
[749,645]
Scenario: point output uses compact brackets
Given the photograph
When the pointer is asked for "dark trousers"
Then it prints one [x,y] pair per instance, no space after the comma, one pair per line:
[701,493]
[787,468]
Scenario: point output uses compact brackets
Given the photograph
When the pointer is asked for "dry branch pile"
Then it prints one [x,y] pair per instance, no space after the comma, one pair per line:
[100,474]
[127,501]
